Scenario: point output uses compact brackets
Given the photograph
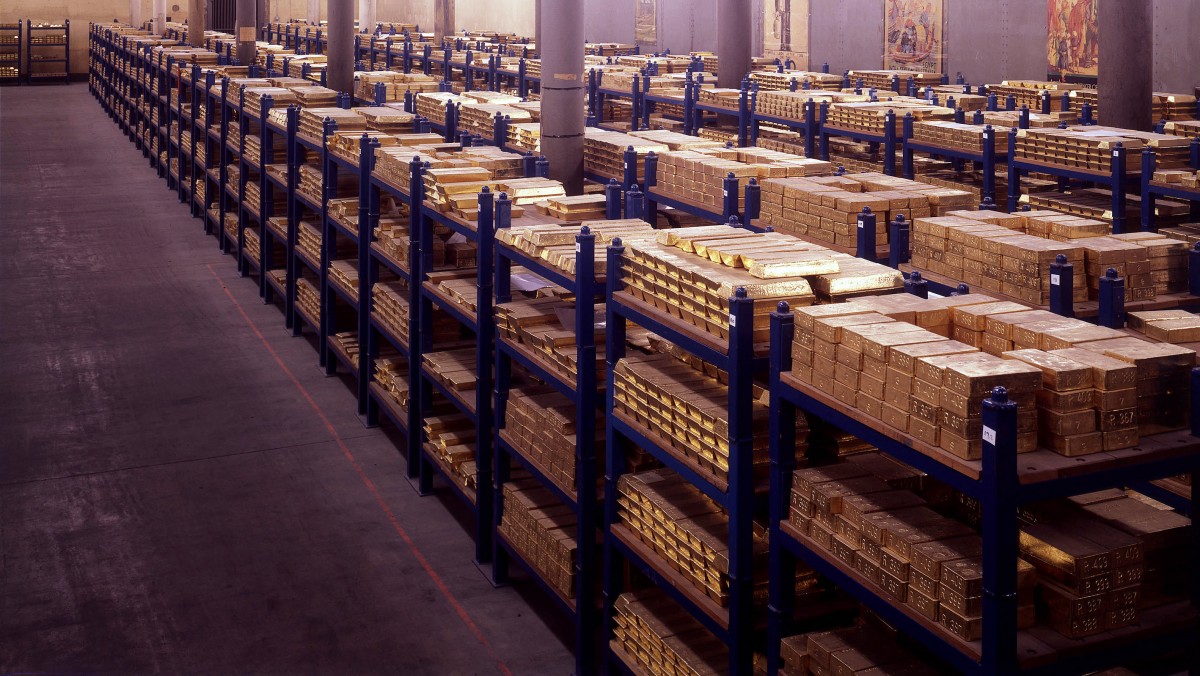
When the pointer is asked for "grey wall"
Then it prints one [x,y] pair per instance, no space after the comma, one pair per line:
[994,41]
[683,25]
[1176,45]
[846,33]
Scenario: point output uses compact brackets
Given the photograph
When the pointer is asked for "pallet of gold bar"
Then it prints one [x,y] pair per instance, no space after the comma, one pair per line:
[1091,147]
[923,367]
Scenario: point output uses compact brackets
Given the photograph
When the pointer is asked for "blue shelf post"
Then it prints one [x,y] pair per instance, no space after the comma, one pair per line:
[999,477]
[898,241]
[1118,189]
[1194,270]
[782,424]
[612,205]
[866,235]
[916,285]
[368,216]
[729,194]
[1112,300]
[1062,285]
[650,213]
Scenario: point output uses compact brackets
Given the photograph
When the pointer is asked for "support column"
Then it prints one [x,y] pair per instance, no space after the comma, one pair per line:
[135,13]
[314,12]
[367,15]
[160,16]
[340,73]
[537,21]
[196,22]
[1126,63]
[245,31]
[262,14]
[733,42]
[443,20]
[562,93]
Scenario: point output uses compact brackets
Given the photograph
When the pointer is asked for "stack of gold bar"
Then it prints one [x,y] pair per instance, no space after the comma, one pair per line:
[870,116]
[575,207]
[854,650]
[1163,379]
[1028,93]
[1130,260]
[770,80]
[1168,257]
[200,188]
[991,256]
[653,635]
[1089,572]
[555,244]
[346,343]
[1005,120]
[310,96]
[676,140]
[236,84]
[312,122]
[455,369]
[1112,400]
[450,442]
[1167,326]
[316,63]
[347,144]
[1162,533]
[1178,178]
[1092,147]
[1184,128]
[1186,232]
[543,530]
[344,274]
[827,209]
[720,97]
[479,118]
[253,98]
[457,287]
[394,84]
[308,243]
[698,175]
[432,105]
[688,410]
[684,527]
[790,105]
[958,136]
[388,119]
[392,374]
[540,425]
[604,152]
[1097,203]
[882,79]
[1168,106]
[686,283]
[308,300]
[392,237]
[1067,419]
[544,326]
[525,136]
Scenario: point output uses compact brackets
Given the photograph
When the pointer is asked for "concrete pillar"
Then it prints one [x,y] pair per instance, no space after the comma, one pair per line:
[196,22]
[160,16]
[244,31]
[135,13]
[1126,63]
[262,14]
[563,93]
[367,15]
[443,19]
[340,72]
[733,41]
[314,11]
[537,21]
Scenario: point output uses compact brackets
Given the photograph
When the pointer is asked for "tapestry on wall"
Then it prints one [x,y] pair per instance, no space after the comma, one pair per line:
[645,23]
[1072,44]
[913,37]
[785,31]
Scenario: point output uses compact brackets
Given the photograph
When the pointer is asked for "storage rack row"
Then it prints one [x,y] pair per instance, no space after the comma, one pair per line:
[47,45]
[1000,484]
[12,38]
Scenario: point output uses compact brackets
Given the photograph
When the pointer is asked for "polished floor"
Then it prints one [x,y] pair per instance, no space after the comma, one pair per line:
[182,490]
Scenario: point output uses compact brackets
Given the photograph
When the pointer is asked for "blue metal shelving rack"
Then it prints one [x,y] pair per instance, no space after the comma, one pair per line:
[56,57]
[734,625]
[10,52]
[582,392]
[887,139]
[1152,190]
[1001,483]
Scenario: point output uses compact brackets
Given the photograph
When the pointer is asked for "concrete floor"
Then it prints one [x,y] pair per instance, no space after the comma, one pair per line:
[181,489]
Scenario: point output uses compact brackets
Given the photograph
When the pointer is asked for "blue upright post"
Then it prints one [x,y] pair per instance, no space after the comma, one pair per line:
[1014,174]
[1118,189]
[977,117]
[500,130]
[898,241]
[907,166]
[1045,102]
[782,431]
[1062,286]
[486,318]
[629,166]
[729,194]
[1112,300]
[753,208]
[810,127]
[866,235]
[451,132]
[889,143]
[824,135]
[542,166]
[989,165]
[1010,102]
[612,201]
[999,479]
[1148,167]
[651,180]
[585,418]
[916,285]
[635,203]
[992,101]
[1194,270]
[741,481]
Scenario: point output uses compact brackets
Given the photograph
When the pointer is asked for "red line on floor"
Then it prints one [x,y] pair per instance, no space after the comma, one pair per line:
[387,510]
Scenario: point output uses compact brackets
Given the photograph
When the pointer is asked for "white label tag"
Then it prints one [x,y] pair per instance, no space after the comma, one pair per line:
[732,320]
[1054,280]
[989,435]
[579,248]
[860,224]
[1115,153]
[724,192]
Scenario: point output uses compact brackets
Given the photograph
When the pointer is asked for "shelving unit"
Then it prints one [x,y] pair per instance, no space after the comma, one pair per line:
[582,392]
[1152,190]
[1002,482]
[52,43]
[12,38]
[733,625]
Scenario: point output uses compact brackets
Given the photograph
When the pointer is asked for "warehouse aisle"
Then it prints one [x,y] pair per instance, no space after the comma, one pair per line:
[181,489]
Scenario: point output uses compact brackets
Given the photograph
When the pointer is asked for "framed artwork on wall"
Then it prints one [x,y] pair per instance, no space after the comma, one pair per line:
[913,35]
[785,31]
[1072,40]
[645,23]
